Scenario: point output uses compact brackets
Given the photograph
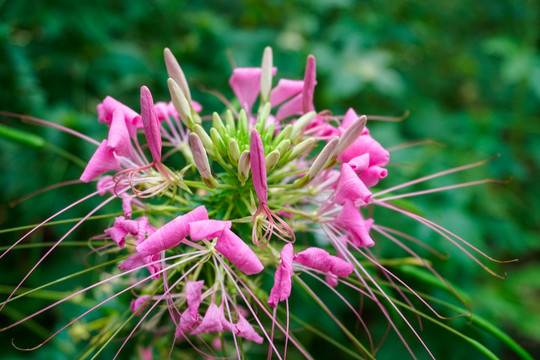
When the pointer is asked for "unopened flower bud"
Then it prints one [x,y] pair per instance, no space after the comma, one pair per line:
[301,148]
[244,164]
[320,162]
[284,146]
[175,72]
[284,134]
[180,103]
[217,122]
[206,141]
[242,122]
[201,160]
[218,141]
[229,120]
[234,150]
[272,159]
[266,74]
[301,123]
[350,135]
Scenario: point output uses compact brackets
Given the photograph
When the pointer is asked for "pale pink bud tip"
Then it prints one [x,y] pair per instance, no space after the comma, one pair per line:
[150,124]
[172,233]
[283,277]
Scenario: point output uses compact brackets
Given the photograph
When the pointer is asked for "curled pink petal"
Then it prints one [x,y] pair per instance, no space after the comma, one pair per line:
[122,228]
[340,267]
[372,175]
[359,163]
[283,277]
[110,105]
[118,138]
[246,84]
[238,253]
[136,304]
[211,321]
[102,161]
[354,224]
[285,89]
[207,229]
[172,233]
[193,291]
[315,258]
[244,329]
[187,322]
[350,187]
[258,166]
[137,260]
[151,124]
[365,144]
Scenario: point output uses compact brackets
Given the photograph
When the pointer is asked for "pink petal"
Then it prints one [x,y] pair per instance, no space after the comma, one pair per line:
[162,110]
[110,105]
[290,108]
[365,144]
[154,268]
[196,106]
[211,321]
[150,124]
[340,267]
[258,166]
[315,258]
[187,322]
[244,329]
[102,161]
[193,292]
[350,187]
[283,277]
[349,118]
[359,163]
[238,253]
[172,233]
[118,138]
[134,261]
[351,220]
[372,175]
[136,304]
[284,90]
[309,85]
[207,229]
[246,84]
[331,279]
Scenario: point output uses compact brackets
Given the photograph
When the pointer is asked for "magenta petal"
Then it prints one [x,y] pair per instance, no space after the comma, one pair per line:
[110,105]
[238,253]
[315,258]
[258,167]
[193,292]
[353,223]
[187,322]
[136,304]
[246,84]
[151,124]
[372,175]
[309,85]
[102,161]
[118,138]
[172,233]
[331,279]
[284,90]
[350,187]
[196,106]
[365,144]
[244,329]
[340,267]
[134,261]
[162,110]
[211,321]
[359,163]
[283,277]
[291,107]
[207,229]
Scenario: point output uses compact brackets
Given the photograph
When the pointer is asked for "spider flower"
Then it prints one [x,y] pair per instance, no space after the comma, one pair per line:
[216,204]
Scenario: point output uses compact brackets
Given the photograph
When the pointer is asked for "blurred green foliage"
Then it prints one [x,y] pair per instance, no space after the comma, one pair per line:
[468,72]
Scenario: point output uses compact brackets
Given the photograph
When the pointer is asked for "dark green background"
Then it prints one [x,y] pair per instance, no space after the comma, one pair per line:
[468,72]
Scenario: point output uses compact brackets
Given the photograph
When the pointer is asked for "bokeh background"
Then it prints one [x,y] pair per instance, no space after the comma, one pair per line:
[468,73]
